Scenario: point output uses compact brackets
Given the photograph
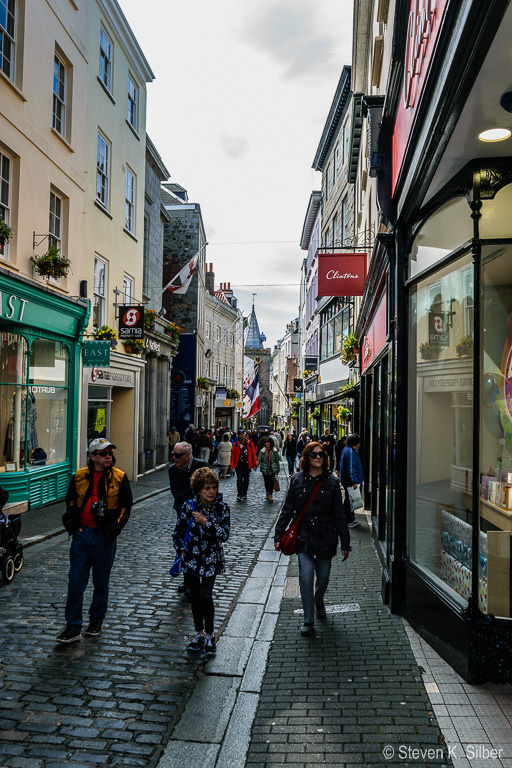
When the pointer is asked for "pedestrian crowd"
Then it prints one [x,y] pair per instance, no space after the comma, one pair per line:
[313,519]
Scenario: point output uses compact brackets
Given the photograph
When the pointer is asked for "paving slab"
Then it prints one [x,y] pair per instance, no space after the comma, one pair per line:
[206,715]
[236,742]
[255,590]
[231,657]
[274,601]
[187,754]
[244,621]
[267,627]
[255,669]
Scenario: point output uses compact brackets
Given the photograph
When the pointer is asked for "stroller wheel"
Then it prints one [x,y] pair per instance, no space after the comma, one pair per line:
[8,569]
[18,561]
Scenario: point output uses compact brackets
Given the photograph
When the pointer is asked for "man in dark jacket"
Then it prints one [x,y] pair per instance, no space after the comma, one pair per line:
[98,504]
[351,475]
[180,473]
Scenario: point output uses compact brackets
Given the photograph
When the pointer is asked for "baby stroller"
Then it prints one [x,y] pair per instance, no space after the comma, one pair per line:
[11,551]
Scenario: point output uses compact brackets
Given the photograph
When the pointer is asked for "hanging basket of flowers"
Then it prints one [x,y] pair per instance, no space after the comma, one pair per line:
[149,319]
[316,414]
[6,233]
[233,394]
[51,264]
[202,383]
[427,351]
[350,349]
[174,331]
[134,346]
[344,414]
[464,347]
[105,333]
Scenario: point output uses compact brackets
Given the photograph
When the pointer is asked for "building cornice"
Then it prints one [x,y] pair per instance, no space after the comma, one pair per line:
[118,23]
[315,202]
[338,108]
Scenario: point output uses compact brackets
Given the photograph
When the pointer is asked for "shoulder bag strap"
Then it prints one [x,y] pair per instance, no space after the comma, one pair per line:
[309,501]
[187,532]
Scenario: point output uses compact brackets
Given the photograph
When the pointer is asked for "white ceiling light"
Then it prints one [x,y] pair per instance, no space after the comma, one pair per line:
[494,134]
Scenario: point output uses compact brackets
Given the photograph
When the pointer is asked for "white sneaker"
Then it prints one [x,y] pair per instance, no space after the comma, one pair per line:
[354,524]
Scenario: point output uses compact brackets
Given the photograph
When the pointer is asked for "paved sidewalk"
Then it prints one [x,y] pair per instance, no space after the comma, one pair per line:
[43,522]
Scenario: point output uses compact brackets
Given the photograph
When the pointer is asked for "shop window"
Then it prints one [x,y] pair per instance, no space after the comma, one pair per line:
[98,412]
[34,408]
[5,196]
[441,428]
[442,233]
[495,504]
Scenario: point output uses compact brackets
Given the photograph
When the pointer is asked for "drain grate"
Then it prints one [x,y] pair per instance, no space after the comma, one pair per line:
[342,608]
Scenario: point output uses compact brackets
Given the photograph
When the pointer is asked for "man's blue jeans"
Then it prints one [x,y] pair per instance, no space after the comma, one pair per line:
[308,566]
[291,463]
[88,550]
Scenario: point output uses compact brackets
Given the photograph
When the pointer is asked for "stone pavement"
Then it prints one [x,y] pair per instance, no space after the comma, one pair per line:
[115,699]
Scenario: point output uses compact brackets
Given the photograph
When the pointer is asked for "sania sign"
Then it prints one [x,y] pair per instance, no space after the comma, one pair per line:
[341,274]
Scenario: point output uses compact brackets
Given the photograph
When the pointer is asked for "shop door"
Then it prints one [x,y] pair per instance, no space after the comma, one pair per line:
[98,412]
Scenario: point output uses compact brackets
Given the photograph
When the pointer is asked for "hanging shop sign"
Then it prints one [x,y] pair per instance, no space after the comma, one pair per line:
[131,322]
[221,393]
[298,385]
[341,274]
[311,363]
[96,353]
[438,329]
[425,18]
[376,335]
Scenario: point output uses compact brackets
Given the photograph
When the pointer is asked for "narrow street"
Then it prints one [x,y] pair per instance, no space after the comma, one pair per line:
[111,700]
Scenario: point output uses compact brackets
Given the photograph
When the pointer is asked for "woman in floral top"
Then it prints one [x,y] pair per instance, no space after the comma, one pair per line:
[202,558]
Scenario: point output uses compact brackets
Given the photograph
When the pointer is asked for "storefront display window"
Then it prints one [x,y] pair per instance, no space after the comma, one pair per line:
[496,431]
[441,427]
[33,402]
[98,412]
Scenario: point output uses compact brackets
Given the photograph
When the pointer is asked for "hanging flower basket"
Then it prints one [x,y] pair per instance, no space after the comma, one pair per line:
[316,414]
[6,233]
[427,352]
[344,414]
[50,264]
[149,319]
[174,331]
[202,383]
[464,347]
[233,394]
[350,349]
[105,333]
[134,346]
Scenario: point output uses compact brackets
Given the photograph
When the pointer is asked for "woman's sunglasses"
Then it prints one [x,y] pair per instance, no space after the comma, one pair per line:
[316,455]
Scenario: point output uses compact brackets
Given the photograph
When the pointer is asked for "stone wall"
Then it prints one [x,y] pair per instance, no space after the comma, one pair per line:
[180,244]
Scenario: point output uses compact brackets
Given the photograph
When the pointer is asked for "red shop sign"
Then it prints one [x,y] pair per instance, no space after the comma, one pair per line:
[422,30]
[376,335]
[341,274]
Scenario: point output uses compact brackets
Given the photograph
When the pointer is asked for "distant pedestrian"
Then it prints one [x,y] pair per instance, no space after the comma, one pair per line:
[192,437]
[323,524]
[98,504]
[338,451]
[243,459]
[268,464]
[224,455]
[290,451]
[351,475]
[205,445]
[328,441]
[302,442]
[172,438]
[203,557]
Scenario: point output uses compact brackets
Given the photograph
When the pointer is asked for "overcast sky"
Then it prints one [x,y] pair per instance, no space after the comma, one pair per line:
[241,93]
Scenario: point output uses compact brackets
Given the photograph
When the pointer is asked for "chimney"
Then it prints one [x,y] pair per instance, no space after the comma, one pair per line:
[228,293]
[209,278]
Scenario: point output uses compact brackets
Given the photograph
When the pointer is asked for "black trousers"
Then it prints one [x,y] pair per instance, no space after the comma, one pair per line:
[349,515]
[242,479]
[269,483]
[201,601]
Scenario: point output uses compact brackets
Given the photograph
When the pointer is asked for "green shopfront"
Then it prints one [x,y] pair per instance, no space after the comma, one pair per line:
[40,343]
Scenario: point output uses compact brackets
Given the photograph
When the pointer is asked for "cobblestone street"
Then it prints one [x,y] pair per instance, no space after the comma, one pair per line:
[115,699]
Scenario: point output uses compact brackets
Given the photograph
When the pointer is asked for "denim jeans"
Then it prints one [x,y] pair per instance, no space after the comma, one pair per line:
[88,550]
[308,566]
[291,463]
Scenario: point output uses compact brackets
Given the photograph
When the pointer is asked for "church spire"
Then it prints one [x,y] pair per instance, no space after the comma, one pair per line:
[254,339]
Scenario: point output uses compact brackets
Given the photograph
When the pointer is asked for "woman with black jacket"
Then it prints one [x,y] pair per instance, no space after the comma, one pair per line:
[290,451]
[323,524]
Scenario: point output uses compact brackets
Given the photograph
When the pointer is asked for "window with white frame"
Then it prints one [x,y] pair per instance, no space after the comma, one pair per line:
[102,170]
[207,369]
[133,100]
[231,340]
[225,375]
[7,37]
[327,182]
[5,195]
[344,211]
[55,220]
[218,333]
[59,95]
[208,329]
[334,230]
[127,289]
[231,378]
[106,50]
[129,203]
[100,295]
[336,164]
[217,372]
[327,239]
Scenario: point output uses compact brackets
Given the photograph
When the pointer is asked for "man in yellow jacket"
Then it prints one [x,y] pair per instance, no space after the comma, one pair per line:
[98,504]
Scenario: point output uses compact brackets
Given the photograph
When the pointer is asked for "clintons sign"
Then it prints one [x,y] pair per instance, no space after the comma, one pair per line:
[341,274]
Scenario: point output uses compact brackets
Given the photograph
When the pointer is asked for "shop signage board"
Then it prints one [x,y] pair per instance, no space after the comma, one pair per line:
[311,363]
[183,378]
[298,385]
[111,377]
[425,18]
[131,322]
[96,354]
[438,329]
[376,335]
[341,274]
